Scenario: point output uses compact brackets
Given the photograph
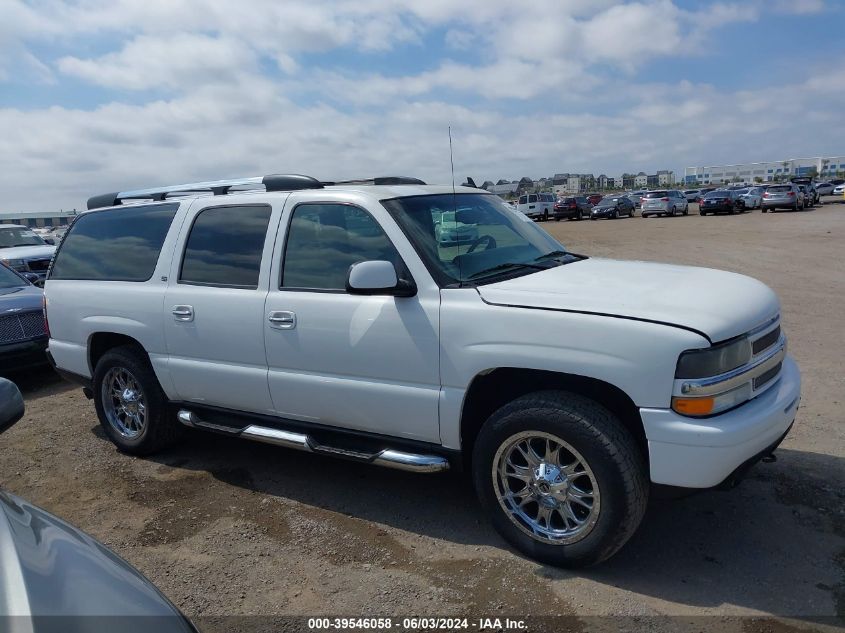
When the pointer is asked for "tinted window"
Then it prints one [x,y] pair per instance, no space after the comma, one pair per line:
[115,245]
[656,194]
[324,240]
[523,200]
[532,198]
[225,245]
[8,279]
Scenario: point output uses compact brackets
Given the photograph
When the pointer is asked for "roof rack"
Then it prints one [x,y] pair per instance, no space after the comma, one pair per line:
[271,182]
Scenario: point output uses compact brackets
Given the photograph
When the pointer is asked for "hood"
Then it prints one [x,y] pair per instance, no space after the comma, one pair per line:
[20,299]
[50,568]
[716,303]
[27,252]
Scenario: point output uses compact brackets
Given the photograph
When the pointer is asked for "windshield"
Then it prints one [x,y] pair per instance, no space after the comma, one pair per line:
[494,239]
[718,194]
[19,236]
[608,202]
[656,194]
[8,279]
[780,188]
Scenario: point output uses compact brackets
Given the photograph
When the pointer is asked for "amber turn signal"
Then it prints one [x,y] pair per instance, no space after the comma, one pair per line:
[693,406]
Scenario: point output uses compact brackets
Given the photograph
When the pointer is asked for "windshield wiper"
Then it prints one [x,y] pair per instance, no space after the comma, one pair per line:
[505,265]
[551,255]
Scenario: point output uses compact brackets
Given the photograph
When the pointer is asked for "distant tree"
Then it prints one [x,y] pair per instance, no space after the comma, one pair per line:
[504,182]
[757,179]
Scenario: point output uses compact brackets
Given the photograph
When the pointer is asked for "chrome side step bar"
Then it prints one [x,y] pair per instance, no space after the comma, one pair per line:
[389,458]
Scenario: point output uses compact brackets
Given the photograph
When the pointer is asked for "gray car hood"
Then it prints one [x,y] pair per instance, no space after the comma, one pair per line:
[50,568]
[716,303]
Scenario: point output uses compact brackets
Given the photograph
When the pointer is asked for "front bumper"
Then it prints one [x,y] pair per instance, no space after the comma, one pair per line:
[702,453]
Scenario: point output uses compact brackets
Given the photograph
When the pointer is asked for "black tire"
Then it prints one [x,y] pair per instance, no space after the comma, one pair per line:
[545,216]
[795,206]
[608,449]
[160,428]
[616,214]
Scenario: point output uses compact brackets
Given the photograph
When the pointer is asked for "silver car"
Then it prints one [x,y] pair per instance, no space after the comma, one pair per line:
[664,202]
[783,196]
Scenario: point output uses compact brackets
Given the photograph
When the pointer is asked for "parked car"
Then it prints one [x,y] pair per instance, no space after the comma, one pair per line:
[636,197]
[721,201]
[450,232]
[572,208]
[807,194]
[751,197]
[613,207]
[537,206]
[692,195]
[53,576]
[783,196]
[824,188]
[23,335]
[811,196]
[664,202]
[839,190]
[335,325]
[24,251]
[594,198]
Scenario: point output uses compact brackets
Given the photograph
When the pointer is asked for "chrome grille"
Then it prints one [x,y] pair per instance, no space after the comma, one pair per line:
[765,341]
[21,327]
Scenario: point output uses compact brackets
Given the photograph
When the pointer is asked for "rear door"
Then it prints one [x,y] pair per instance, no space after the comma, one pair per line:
[214,304]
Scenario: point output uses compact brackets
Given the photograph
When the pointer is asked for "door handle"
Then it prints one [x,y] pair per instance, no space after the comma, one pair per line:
[282,320]
[183,313]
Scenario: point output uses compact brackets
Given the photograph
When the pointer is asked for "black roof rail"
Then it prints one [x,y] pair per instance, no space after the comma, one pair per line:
[379,180]
[271,182]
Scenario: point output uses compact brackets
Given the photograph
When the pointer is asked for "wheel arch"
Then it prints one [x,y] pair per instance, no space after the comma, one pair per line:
[101,342]
[493,388]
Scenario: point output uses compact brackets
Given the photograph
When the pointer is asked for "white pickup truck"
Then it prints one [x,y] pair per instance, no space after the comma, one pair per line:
[328,317]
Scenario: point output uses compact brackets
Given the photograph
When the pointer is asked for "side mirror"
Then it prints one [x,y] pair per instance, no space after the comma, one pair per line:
[11,404]
[31,277]
[50,241]
[377,277]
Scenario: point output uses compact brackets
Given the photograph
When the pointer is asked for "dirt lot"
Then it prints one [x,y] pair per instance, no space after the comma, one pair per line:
[227,527]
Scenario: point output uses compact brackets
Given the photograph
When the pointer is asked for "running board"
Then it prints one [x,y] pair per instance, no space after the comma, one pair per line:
[389,458]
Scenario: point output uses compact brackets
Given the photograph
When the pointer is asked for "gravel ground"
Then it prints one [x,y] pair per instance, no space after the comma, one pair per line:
[234,528]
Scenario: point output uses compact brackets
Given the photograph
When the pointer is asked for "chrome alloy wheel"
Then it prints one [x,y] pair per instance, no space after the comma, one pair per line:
[546,488]
[123,402]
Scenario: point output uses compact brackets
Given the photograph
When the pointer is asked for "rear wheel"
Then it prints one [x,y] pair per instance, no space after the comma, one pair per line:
[131,406]
[560,477]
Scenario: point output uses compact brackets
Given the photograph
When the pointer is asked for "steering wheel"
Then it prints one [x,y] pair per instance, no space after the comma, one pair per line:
[491,243]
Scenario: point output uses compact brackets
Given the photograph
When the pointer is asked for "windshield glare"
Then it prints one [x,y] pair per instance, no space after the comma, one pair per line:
[656,194]
[480,232]
[19,236]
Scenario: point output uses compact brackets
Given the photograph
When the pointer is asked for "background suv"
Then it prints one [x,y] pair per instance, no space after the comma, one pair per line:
[25,251]
[664,202]
[537,206]
[783,196]
[572,208]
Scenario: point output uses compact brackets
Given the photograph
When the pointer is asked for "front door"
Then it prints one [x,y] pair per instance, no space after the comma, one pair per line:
[369,363]
[214,306]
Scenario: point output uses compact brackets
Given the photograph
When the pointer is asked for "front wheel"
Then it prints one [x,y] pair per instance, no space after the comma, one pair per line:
[561,478]
[130,404]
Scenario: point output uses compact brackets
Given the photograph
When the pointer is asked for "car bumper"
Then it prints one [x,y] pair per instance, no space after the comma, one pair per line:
[779,204]
[661,209]
[703,453]
[602,214]
[560,214]
[17,356]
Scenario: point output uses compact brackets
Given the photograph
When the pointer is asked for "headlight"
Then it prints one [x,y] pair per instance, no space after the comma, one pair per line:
[14,263]
[711,363]
[714,360]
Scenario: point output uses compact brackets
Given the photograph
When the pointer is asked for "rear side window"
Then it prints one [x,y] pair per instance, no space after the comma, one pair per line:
[225,247]
[532,198]
[523,200]
[120,244]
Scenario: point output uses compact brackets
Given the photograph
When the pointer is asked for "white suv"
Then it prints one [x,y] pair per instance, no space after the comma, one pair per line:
[328,317]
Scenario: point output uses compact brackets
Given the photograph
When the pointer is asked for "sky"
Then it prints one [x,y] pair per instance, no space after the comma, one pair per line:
[111,95]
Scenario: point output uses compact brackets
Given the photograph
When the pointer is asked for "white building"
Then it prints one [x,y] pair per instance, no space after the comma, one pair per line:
[825,167]
[37,219]
[641,180]
[665,177]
